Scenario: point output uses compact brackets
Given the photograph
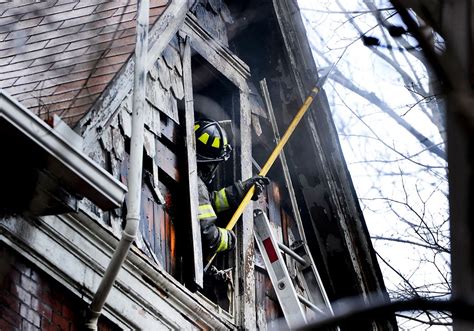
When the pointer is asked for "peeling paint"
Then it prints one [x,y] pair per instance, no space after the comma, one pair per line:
[249,269]
[106,139]
[118,143]
[155,125]
[149,143]
[256,125]
[171,58]
[177,86]
[164,75]
[125,122]
[153,72]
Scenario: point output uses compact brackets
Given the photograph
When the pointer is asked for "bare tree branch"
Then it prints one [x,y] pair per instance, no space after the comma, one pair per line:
[346,12]
[432,322]
[340,78]
[401,190]
[404,241]
[429,148]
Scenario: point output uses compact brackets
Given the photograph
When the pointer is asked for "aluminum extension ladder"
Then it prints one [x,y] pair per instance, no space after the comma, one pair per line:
[292,303]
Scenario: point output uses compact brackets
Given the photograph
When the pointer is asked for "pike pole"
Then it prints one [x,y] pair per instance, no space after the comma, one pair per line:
[276,152]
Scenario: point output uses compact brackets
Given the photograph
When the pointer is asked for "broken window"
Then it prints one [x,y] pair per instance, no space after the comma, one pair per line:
[213,97]
[216,98]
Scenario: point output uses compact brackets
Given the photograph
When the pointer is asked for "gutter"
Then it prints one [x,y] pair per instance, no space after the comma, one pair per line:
[135,174]
[76,169]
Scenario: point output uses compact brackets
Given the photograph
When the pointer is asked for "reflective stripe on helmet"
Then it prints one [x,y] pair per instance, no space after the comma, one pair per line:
[224,242]
[217,142]
[205,211]
[204,137]
[220,200]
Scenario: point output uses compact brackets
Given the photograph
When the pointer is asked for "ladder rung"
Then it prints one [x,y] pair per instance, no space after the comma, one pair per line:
[310,305]
[288,251]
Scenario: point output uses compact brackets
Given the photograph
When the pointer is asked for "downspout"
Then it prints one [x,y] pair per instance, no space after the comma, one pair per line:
[135,173]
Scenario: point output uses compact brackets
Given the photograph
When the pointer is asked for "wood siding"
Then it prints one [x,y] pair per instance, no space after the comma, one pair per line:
[163,148]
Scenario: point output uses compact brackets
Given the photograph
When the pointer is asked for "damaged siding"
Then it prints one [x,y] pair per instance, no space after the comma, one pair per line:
[165,177]
[213,15]
[162,145]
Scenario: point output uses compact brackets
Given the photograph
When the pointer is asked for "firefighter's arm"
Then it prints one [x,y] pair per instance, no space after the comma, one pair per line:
[216,239]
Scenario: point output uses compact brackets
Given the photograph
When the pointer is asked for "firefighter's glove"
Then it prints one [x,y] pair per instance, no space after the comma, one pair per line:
[220,275]
[227,240]
[259,181]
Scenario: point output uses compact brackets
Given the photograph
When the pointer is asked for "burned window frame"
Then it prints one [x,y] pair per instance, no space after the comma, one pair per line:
[197,39]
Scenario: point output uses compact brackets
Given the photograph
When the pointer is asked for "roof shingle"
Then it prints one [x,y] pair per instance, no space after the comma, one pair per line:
[58,56]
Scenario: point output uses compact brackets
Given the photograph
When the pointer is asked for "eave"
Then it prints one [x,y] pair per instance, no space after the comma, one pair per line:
[74,171]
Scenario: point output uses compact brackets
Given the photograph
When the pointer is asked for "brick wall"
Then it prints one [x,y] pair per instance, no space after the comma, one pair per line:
[31,300]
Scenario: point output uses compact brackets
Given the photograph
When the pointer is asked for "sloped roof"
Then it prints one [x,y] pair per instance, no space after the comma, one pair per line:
[56,57]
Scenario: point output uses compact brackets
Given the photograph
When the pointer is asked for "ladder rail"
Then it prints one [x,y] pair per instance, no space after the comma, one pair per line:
[302,299]
[276,268]
[309,288]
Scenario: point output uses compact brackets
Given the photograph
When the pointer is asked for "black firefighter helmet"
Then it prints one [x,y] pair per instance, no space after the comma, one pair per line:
[211,142]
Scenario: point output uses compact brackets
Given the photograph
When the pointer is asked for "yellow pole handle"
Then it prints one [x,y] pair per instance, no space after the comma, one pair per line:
[271,159]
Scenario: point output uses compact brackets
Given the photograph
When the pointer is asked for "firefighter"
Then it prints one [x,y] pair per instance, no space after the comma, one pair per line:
[212,148]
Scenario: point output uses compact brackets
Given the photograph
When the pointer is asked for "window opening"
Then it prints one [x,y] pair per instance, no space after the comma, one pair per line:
[216,98]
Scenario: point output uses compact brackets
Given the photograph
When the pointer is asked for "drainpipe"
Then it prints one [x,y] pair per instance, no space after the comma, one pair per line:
[135,174]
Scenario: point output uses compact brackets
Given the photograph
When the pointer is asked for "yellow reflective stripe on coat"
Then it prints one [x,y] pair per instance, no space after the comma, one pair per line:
[205,211]
[223,244]
[220,200]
